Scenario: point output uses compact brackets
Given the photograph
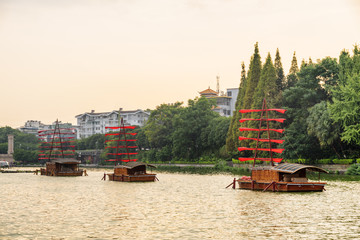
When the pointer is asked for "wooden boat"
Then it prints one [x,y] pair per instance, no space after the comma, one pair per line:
[132,172]
[62,167]
[57,147]
[122,145]
[283,177]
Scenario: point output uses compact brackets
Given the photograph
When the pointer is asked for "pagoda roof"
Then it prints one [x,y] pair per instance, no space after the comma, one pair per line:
[208,91]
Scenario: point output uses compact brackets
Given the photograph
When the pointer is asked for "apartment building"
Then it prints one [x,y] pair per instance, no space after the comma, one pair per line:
[225,103]
[95,123]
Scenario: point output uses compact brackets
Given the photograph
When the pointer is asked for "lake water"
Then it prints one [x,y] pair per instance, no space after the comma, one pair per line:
[179,206]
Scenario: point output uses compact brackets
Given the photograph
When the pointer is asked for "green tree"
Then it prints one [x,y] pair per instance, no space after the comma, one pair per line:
[345,109]
[280,76]
[214,135]
[233,131]
[96,141]
[160,127]
[253,78]
[292,77]
[298,99]
[187,141]
[323,128]
[267,87]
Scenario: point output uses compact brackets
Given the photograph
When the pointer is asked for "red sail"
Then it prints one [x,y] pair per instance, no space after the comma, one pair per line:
[55,138]
[72,146]
[52,130]
[46,134]
[119,133]
[122,147]
[277,150]
[260,110]
[57,142]
[262,140]
[121,154]
[69,154]
[281,120]
[122,160]
[261,159]
[121,140]
[125,127]
[255,129]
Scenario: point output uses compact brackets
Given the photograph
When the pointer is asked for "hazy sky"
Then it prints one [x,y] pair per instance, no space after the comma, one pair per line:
[63,58]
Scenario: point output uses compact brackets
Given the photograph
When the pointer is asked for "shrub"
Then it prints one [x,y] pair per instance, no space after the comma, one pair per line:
[343,161]
[353,170]
[324,161]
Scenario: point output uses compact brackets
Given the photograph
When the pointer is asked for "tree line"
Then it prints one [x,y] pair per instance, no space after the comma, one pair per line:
[322,119]
[322,100]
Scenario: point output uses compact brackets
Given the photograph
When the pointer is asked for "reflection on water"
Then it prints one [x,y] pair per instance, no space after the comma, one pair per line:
[179,206]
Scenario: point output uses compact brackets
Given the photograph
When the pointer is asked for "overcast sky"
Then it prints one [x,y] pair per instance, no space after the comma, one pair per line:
[63,58]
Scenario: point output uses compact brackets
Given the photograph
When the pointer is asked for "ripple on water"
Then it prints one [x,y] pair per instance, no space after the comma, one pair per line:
[179,206]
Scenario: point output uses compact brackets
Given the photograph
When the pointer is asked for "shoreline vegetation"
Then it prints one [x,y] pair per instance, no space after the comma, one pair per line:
[220,168]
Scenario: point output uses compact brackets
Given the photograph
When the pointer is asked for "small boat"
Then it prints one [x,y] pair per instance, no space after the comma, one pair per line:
[282,177]
[285,177]
[57,147]
[122,146]
[62,167]
[132,172]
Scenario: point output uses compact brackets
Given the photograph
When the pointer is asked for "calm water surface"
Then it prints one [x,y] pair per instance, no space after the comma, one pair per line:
[179,206]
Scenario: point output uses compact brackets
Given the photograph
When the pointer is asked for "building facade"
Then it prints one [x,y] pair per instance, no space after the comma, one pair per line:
[225,103]
[95,123]
[34,126]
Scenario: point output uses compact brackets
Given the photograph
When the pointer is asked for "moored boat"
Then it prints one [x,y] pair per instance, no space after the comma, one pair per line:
[132,172]
[122,146]
[285,177]
[282,177]
[57,147]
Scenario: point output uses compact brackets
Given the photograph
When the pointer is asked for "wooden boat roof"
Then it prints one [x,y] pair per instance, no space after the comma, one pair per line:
[294,167]
[66,161]
[131,165]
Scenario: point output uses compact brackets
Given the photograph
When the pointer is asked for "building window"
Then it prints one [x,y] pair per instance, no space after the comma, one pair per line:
[229,94]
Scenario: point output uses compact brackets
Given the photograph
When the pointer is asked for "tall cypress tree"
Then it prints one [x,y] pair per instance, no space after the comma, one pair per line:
[292,78]
[253,78]
[252,81]
[266,88]
[280,76]
[233,132]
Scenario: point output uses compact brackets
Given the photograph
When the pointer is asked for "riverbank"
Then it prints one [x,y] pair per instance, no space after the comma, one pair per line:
[336,171]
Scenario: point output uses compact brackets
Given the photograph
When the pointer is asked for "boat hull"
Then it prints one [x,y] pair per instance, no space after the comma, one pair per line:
[282,186]
[61,174]
[132,178]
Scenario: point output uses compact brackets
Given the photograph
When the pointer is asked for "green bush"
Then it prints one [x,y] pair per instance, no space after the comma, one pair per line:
[236,161]
[343,161]
[324,161]
[353,170]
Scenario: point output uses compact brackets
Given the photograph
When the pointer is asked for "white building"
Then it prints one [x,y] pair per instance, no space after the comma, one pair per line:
[95,123]
[225,102]
[34,126]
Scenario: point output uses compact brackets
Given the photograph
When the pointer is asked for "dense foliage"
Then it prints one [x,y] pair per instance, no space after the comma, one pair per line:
[322,101]
[174,132]
[322,118]
[25,145]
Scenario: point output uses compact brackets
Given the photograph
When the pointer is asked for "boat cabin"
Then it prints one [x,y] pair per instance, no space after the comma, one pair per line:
[132,172]
[62,167]
[285,172]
